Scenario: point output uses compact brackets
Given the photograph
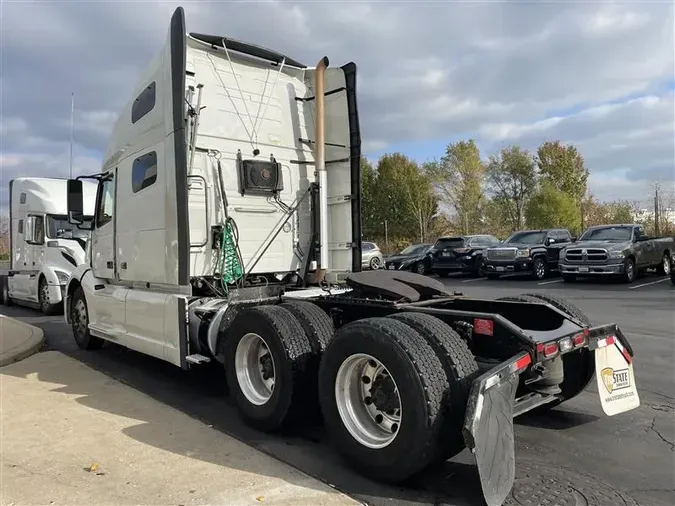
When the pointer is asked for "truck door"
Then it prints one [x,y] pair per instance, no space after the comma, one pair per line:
[34,238]
[107,311]
[644,248]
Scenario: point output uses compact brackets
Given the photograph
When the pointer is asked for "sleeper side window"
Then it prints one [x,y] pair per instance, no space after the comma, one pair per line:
[144,171]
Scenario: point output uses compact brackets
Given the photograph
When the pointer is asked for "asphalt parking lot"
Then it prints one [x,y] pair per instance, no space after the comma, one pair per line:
[574,452]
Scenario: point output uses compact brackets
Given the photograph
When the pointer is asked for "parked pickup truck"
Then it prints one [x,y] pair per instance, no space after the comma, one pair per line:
[533,252]
[620,251]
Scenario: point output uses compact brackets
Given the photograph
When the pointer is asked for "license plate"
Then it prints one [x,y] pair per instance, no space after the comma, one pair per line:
[615,380]
[445,254]
[583,269]
[391,267]
[500,269]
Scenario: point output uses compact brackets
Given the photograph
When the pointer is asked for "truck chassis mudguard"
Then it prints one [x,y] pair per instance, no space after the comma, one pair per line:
[488,424]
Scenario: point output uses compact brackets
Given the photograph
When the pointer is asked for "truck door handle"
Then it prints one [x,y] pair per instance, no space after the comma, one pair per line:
[123,265]
[109,265]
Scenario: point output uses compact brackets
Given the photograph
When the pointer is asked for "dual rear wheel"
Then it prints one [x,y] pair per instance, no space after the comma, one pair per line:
[392,391]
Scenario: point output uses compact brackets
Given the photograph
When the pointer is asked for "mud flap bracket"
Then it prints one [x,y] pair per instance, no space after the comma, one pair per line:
[488,428]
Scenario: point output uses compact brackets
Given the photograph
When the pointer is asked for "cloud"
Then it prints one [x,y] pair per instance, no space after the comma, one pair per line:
[595,73]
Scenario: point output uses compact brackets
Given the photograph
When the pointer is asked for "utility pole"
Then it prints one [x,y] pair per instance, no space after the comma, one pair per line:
[72,129]
[657,218]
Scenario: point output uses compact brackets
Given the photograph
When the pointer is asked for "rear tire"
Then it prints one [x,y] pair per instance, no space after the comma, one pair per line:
[460,368]
[268,343]
[79,322]
[420,268]
[379,449]
[665,267]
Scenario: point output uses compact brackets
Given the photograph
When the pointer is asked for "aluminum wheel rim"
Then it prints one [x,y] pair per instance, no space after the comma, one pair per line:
[254,381]
[629,270]
[539,268]
[368,425]
[80,317]
[666,265]
[375,263]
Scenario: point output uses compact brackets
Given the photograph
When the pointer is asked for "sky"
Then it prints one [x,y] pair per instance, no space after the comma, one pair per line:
[598,74]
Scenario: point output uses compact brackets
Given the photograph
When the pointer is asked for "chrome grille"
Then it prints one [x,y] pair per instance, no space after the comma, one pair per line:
[501,254]
[580,255]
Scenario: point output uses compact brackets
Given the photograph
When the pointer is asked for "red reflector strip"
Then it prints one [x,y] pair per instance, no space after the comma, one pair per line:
[521,363]
[623,351]
[482,326]
[605,342]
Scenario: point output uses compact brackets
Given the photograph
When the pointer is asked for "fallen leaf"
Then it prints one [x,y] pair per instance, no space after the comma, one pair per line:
[260,498]
[92,468]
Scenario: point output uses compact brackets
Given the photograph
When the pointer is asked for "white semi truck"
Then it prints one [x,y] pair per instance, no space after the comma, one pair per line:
[228,230]
[44,246]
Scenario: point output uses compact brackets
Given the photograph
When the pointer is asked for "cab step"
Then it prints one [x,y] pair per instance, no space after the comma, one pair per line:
[196,358]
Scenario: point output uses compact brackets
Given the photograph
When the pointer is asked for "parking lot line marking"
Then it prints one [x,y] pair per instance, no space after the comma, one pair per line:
[647,284]
[472,279]
[550,282]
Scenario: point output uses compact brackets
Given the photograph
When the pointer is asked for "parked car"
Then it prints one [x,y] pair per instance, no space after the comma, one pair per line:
[371,256]
[460,254]
[672,271]
[415,258]
[533,252]
[620,251]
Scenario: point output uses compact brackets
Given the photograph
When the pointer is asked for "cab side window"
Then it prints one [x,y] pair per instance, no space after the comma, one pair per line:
[105,208]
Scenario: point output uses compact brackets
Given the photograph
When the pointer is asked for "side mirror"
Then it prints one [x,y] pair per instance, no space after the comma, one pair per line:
[574,238]
[75,203]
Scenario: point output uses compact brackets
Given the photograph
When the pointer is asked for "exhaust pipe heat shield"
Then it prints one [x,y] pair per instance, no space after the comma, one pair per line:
[488,430]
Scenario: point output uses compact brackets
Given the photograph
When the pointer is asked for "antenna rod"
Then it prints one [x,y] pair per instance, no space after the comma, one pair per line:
[72,128]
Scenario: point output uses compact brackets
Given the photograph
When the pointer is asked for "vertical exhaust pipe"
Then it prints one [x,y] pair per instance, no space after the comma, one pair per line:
[320,161]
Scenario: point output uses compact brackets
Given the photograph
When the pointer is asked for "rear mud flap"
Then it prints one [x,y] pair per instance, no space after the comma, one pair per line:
[488,429]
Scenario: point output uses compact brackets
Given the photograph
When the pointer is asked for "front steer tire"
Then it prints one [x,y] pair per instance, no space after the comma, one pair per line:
[79,322]
[291,354]
[460,368]
[421,381]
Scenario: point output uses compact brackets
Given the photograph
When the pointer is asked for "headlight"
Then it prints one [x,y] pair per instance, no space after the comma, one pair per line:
[523,253]
[62,277]
[616,255]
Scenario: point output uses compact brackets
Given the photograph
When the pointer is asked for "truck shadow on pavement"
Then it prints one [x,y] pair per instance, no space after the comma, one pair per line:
[202,394]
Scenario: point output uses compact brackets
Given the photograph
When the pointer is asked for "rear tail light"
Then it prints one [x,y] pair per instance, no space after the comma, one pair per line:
[462,250]
[548,350]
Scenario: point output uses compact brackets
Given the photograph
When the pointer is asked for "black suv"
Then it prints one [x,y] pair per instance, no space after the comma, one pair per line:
[533,252]
[460,254]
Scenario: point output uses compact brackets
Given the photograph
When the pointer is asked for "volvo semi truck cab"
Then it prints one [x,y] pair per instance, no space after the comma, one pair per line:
[227,231]
[44,246]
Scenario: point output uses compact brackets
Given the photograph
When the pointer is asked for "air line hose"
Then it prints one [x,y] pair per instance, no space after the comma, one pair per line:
[230,264]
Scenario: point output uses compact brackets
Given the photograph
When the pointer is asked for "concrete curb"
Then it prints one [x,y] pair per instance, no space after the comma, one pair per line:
[15,348]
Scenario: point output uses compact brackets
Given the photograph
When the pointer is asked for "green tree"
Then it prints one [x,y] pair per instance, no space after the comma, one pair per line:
[564,167]
[549,207]
[458,178]
[620,212]
[402,196]
[370,211]
[512,178]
